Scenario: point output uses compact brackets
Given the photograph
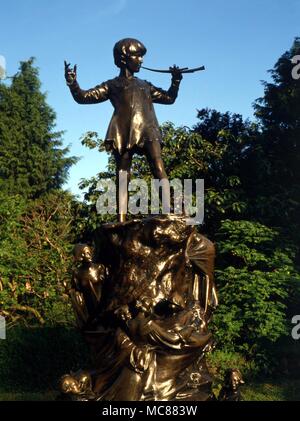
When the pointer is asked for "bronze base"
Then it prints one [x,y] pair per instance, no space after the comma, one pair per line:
[143,305]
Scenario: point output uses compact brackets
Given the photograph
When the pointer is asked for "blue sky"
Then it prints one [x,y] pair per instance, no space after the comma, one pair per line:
[237,41]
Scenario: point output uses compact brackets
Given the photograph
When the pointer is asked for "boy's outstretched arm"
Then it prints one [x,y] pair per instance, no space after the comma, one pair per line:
[161,96]
[90,96]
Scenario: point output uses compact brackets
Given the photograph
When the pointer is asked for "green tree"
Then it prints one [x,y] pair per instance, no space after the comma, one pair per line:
[36,240]
[273,165]
[37,226]
[32,160]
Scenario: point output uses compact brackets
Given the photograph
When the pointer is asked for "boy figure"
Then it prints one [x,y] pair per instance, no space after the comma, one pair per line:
[134,127]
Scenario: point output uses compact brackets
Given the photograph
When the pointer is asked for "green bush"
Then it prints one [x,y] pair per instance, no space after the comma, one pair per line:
[254,276]
[33,359]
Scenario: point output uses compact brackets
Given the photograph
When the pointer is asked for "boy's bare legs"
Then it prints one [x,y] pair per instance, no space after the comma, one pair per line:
[153,154]
[123,163]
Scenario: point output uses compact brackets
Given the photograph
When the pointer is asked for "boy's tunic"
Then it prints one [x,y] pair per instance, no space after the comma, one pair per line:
[134,121]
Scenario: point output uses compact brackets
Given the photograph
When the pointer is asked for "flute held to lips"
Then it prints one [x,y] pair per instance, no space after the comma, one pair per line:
[182,70]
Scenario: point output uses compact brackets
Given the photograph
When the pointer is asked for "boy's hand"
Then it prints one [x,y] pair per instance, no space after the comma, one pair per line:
[176,73]
[70,74]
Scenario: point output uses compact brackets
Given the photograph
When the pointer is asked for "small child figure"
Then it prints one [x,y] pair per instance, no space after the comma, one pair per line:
[231,389]
[77,386]
[134,127]
[87,280]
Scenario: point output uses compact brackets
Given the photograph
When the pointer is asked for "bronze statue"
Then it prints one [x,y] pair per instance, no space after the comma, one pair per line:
[144,299]
[134,127]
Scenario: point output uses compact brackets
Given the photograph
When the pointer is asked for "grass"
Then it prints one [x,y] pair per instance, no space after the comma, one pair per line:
[28,396]
[32,361]
[267,391]
[271,391]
